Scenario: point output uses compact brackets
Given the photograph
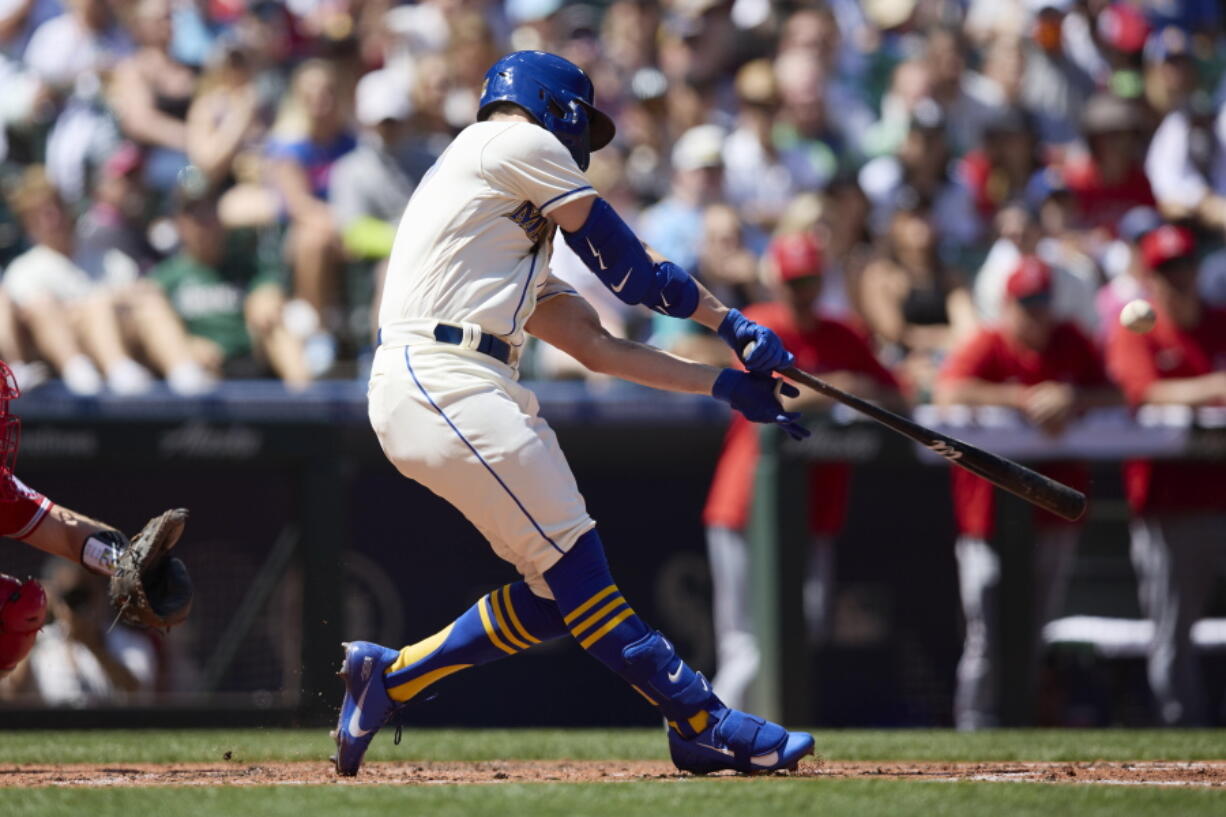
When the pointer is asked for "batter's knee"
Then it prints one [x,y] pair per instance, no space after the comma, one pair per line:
[23,610]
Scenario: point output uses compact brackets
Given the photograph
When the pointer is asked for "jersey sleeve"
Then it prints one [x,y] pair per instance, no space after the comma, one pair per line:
[553,286]
[526,161]
[1130,363]
[970,361]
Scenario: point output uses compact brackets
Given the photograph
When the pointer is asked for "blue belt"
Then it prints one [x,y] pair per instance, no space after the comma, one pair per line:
[489,344]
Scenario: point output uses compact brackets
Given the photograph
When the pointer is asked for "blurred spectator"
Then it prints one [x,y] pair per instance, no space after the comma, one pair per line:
[726,264]
[808,137]
[110,239]
[19,19]
[1003,163]
[922,167]
[1074,278]
[150,93]
[915,305]
[47,286]
[1178,508]
[87,38]
[1186,162]
[840,355]
[78,660]
[226,125]
[1054,87]
[1125,266]
[226,288]
[369,187]
[674,225]
[1170,70]
[968,104]
[1048,370]
[1110,178]
[757,180]
[312,135]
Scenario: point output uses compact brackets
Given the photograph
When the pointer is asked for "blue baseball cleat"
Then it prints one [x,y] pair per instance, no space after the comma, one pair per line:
[366,706]
[742,742]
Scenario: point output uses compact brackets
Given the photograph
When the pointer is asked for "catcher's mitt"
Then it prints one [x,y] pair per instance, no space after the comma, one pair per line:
[151,588]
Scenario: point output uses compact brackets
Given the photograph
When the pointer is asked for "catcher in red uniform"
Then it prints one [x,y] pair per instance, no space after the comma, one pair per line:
[149,587]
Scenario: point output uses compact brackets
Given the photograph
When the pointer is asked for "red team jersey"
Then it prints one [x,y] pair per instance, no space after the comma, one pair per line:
[22,515]
[1169,352]
[831,346]
[1070,357]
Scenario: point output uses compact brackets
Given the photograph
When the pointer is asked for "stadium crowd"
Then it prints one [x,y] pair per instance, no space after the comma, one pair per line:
[197,190]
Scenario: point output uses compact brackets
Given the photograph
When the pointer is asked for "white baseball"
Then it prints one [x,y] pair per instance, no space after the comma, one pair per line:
[1138,316]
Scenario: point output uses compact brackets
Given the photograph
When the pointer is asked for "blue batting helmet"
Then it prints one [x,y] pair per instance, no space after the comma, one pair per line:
[556,93]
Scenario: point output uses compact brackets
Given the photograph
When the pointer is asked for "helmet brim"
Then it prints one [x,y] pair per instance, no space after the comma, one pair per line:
[601,129]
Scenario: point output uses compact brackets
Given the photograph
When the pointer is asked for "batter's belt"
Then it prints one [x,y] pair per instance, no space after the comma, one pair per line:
[465,335]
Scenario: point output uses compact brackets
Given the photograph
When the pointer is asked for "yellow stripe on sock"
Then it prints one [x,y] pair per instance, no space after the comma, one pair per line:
[410,689]
[604,630]
[413,653]
[502,622]
[591,620]
[588,605]
[489,628]
[700,721]
[515,622]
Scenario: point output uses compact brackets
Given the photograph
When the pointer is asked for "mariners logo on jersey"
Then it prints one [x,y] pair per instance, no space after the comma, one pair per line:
[529,218]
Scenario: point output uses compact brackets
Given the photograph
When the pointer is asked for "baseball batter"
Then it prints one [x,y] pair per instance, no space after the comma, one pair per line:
[27,515]
[468,277]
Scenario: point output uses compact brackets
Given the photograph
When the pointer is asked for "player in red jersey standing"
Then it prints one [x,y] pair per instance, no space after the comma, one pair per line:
[1178,508]
[1049,371]
[843,358]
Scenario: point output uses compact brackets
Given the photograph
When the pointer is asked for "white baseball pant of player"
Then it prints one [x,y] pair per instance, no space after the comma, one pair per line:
[736,643]
[1177,558]
[457,421]
[976,704]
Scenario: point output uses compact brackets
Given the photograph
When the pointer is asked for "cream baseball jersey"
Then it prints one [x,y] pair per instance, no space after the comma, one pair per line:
[474,242]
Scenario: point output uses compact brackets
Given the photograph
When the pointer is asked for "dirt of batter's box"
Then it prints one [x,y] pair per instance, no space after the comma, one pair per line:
[233,773]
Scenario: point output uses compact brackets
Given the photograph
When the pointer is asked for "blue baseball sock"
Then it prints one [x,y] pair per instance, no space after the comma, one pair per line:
[502,622]
[605,625]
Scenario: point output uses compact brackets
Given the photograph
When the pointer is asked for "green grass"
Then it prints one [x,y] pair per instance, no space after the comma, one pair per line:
[775,797]
[685,797]
[256,745]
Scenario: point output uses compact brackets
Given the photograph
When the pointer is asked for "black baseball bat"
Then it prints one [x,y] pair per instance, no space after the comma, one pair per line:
[1017,479]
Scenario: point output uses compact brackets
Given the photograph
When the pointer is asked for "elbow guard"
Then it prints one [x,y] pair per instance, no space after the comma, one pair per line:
[610,249]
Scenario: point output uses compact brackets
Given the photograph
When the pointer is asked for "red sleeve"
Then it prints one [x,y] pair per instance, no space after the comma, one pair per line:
[1130,363]
[973,360]
[860,357]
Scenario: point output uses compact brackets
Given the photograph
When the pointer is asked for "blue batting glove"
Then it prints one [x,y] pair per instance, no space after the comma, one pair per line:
[766,352]
[756,395]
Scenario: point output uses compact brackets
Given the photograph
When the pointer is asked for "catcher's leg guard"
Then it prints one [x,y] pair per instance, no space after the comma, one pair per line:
[23,609]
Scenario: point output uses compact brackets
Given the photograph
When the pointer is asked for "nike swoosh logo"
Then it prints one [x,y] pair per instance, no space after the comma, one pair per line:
[768,759]
[673,676]
[355,720]
[664,301]
[622,285]
[599,255]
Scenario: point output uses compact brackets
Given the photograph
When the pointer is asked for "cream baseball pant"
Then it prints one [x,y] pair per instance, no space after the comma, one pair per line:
[976,700]
[458,422]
